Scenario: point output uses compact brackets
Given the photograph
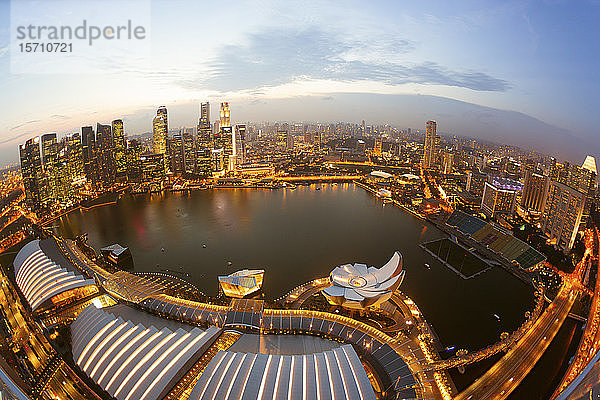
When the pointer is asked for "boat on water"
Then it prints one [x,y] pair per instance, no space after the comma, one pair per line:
[427,266]
[497,317]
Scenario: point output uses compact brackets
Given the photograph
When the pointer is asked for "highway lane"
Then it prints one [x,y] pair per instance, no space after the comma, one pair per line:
[504,377]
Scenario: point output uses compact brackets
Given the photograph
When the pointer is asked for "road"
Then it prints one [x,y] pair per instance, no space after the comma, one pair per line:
[504,377]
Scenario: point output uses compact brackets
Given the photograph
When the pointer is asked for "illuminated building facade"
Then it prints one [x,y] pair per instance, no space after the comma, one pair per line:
[40,279]
[358,286]
[242,283]
[189,150]
[535,192]
[133,162]
[176,154]
[88,139]
[224,116]
[500,197]
[153,170]
[119,151]
[204,146]
[564,209]
[50,163]
[160,130]
[106,155]
[240,143]
[35,183]
[75,157]
[429,151]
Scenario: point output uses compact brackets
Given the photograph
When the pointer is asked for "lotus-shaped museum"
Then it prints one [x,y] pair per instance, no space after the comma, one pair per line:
[358,286]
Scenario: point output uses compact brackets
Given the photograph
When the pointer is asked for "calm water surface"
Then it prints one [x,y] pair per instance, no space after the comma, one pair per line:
[298,235]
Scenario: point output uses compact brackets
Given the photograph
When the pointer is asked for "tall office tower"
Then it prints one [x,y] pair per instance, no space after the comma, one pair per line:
[588,185]
[429,146]
[189,150]
[204,142]
[535,192]
[564,208]
[228,148]
[90,167]
[224,117]
[500,197]
[176,153]
[119,154]
[34,179]
[50,163]
[160,130]
[153,170]
[106,155]
[204,114]
[377,146]
[447,162]
[476,183]
[75,157]
[240,143]
[282,139]
[132,156]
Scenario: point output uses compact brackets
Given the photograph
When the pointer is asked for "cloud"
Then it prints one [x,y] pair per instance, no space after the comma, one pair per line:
[33,121]
[277,56]
[59,116]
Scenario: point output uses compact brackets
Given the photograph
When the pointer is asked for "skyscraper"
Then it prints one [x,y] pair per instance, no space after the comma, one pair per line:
[564,208]
[500,197]
[204,145]
[176,154]
[50,163]
[377,146]
[535,192]
[88,140]
[429,146]
[119,153]
[189,150]
[224,117]
[160,130]
[105,147]
[34,179]
[240,143]
[75,157]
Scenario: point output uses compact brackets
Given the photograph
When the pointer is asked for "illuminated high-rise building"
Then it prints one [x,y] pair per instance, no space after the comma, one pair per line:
[228,148]
[153,170]
[50,163]
[176,153]
[34,180]
[429,146]
[75,157]
[563,211]
[160,130]
[500,197]
[132,156]
[189,150]
[204,146]
[88,140]
[106,155]
[224,117]
[240,143]
[535,192]
[119,153]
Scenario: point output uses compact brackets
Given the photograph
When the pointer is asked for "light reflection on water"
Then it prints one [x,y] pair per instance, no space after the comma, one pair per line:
[299,235]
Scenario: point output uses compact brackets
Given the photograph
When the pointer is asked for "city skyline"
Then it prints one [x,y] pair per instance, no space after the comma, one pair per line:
[392,63]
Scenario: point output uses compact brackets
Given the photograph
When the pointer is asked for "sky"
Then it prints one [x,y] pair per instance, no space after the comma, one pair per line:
[519,72]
